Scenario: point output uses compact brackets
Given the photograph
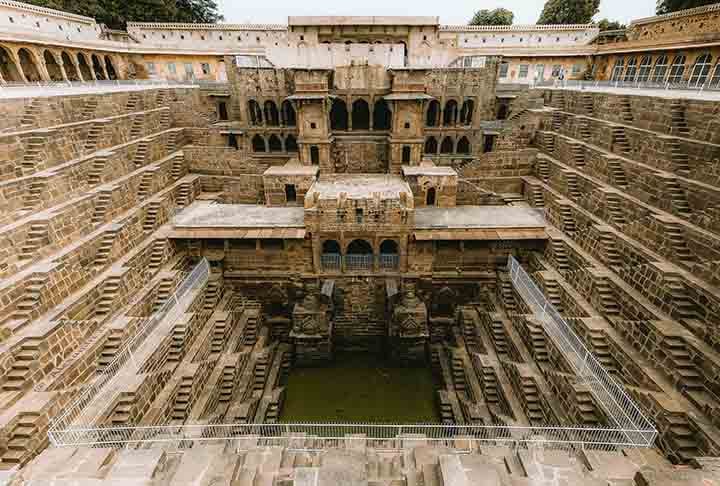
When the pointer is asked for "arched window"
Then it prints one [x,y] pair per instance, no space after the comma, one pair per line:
[677,70]
[715,80]
[271,114]
[53,68]
[338,115]
[28,66]
[381,116]
[258,144]
[97,67]
[8,68]
[274,143]
[389,255]
[331,246]
[466,113]
[660,69]
[430,197]
[631,70]
[360,115]
[314,155]
[256,116]
[618,69]
[431,146]
[359,247]
[291,144]
[446,147]
[406,154]
[463,146]
[451,113]
[644,71]
[70,70]
[359,255]
[84,67]
[288,113]
[701,70]
[330,257]
[432,117]
[112,74]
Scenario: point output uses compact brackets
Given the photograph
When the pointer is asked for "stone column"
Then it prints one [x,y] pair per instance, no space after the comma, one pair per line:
[16,60]
[61,63]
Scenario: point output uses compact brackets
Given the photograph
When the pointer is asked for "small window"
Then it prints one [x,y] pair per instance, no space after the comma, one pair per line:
[290,194]
[182,36]
[172,69]
[430,198]
[406,154]
[523,71]
[314,155]
[488,143]
[151,67]
[302,37]
[205,68]
[313,125]
[407,124]
[359,215]
[232,141]
[504,67]
[12,20]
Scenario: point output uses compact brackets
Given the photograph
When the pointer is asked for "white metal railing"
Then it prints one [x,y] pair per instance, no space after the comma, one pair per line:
[359,262]
[331,261]
[389,261]
[619,407]
[128,360]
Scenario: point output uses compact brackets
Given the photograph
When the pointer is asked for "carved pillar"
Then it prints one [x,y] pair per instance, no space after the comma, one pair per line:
[409,330]
[16,60]
[61,63]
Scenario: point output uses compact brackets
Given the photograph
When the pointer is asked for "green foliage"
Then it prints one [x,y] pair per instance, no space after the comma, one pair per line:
[569,11]
[116,13]
[668,6]
[499,16]
[605,24]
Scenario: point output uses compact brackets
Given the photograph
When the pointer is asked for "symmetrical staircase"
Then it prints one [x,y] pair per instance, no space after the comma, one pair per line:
[98,168]
[141,153]
[620,141]
[601,350]
[110,291]
[145,186]
[560,254]
[157,254]
[568,219]
[181,405]
[677,196]
[183,195]
[88,111]
[25,363]
[33,154]
[102,205]
[678,156]
[531,398]
[675,234]
[165,289]
[613,203]
[542,169]
[102,257]
[29,302]
[572,185]
[37,237]
[678,124]
[626,109]
[151,216]
[109,349]
[578,153]
[617,173]
[32,198]
[606,297]
[138,126]
[94,136]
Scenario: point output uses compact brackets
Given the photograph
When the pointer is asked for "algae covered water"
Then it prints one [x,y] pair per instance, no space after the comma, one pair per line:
[360,388]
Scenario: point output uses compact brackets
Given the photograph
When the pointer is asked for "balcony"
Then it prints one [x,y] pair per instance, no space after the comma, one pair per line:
[359,262]
[333,262]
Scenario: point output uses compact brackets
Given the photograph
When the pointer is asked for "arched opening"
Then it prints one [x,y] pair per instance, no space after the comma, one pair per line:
[256,117]
[84,67]
[430,197]
[431,146]
[644,70]
[330,257]
[232,141]
[288,114]
[444,302]
[660,69]
[502,111]
[258,144]
[701,70]
[715,80]
[222,111]
[631,70]
[463,146]
[290,193]
[406,154]
[360,115]
[69,66]
[359,255]
[314,155]
[291,144]
[432,116]
[9,69]
[28,66]
[274,143]
[272,118]
[466,113]
[382,117]
[451,113]
[53,68]
[112,74]
[338,115]
[359,247]
[389,255]
[446,147]
[97,67]
[677,70]
[618,69]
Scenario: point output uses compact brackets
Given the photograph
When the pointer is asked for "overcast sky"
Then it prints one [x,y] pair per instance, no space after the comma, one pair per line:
[450,11]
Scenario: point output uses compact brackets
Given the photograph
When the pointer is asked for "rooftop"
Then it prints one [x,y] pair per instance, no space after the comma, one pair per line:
[211,215]
[360,186]
[478,217]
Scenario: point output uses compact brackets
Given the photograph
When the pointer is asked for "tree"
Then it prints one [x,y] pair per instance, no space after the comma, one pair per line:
[117,13]
[569,11]
[499,16]
[606,24]
[668,6]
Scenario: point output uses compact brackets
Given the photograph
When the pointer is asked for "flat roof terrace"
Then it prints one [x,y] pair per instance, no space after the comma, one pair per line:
[360,186]
[204,219]
[479,223]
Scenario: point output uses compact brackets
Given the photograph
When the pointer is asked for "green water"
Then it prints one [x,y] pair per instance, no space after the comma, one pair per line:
[360,388]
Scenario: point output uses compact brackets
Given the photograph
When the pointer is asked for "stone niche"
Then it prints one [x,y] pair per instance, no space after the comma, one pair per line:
[409,330]
[312,326]
[287,185]
[432,185]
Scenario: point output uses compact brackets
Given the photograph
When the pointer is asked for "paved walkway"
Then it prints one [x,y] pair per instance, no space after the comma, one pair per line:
[685,94]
